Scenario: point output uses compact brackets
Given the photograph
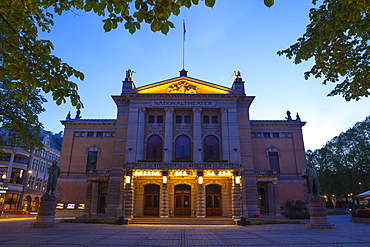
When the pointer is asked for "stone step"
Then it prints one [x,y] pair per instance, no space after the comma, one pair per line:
[183,221]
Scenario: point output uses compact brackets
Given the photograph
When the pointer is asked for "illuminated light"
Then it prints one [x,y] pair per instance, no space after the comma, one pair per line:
[29,171]
[200,180]
[238,179]
[164,179]
[127,179]
[3,176]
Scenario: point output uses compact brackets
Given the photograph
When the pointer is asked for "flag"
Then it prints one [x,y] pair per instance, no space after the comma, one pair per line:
[184,29]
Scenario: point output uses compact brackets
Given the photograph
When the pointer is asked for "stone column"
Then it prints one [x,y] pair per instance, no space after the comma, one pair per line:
[10,168]
[250,192]
[275,187]
[141,134]
[164,202]
[236,197]
[197,134]
[88,198]
[225,136]
[131,140]
[168,132]
[95,198]
[318,214]
[129,200]
[201,207]
[234,139]
[114,199]
[270,198]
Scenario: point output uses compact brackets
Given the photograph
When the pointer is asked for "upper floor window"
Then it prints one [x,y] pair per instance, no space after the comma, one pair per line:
[151,119]
[183,148]
[92,159]
[266,135]
[275,135]
[210,119]
[178,119]
[187,119]
[211,148]
[274,161]
[154,148]
[214,119]
[206,119]
[159,119]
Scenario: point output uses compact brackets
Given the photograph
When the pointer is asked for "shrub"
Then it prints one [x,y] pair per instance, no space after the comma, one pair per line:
[361,213]
[295,210]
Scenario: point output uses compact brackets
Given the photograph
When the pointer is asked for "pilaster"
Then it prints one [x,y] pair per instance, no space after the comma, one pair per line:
[114,199]
[197,134]
[168,134]
[140,135]
[164,202]
[201,210]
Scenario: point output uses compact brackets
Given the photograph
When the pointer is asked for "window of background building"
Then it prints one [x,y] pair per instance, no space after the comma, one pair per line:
[17,176]
[92,159]
[275,135]
[3,171]
[274,161]
[99,134]
[90,134]
[266,135]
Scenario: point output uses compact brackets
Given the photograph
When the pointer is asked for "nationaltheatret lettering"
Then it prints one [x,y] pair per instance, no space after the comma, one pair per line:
[182,103]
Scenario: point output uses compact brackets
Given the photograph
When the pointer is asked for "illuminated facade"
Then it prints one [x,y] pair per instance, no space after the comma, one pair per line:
[23,174]
[181,147]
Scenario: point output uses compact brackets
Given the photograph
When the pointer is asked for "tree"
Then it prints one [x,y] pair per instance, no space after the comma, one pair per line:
[338,39]
[19,120]
[344,161]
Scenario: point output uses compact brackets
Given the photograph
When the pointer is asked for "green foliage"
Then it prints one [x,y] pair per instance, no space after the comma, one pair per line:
[295,210]
[338,39]
[344,162]
[20,118]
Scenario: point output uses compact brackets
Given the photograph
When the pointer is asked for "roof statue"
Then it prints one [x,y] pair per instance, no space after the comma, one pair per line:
[68,116]
[237,74]
[288,117]
[297,117]
[129,75]
[183,87]
[78,114]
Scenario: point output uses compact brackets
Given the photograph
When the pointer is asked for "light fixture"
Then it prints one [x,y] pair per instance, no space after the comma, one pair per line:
[200,180]
[128,179]
[238,179]
[164,178]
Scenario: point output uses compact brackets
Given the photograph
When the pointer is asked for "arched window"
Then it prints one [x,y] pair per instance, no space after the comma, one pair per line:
[183,148]
[211,149]
[154,148]
[92,157]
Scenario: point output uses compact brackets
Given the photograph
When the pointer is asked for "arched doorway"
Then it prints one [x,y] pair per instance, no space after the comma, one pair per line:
[182,200]
[102,199]
[213,200]
[262,200]
[151,199]
[35,204]
[26,204]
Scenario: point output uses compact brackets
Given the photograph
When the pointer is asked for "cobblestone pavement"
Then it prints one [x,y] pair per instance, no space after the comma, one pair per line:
[346,233]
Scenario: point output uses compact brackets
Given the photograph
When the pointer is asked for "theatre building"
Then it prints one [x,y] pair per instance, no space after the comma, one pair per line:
[181,147]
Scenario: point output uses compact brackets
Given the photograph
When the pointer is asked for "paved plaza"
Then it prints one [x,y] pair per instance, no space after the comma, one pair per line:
[19,233]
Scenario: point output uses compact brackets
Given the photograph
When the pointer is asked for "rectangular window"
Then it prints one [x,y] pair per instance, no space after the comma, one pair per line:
[99,134]
[187,119]
[92,158]
[178,119]
[266,135]
[17,176]
[275,135]
[274,161]
[3,171]
[159,119]
[206,119]
[151,119]
[214,119]
[90,134]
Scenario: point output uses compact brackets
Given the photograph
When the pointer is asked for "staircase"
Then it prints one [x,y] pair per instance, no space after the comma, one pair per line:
[183,221]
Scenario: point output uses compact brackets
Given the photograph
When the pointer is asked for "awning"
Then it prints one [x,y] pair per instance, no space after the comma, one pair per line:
[365,194]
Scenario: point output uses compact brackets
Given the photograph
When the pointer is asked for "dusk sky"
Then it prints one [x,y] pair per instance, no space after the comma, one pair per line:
[239,35]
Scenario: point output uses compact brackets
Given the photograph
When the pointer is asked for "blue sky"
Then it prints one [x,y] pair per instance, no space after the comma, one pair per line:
[235,35]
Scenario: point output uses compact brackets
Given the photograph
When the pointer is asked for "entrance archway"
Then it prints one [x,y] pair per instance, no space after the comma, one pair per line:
[26,204]
[183,200]
[151,200]
[102,199]
[213,200]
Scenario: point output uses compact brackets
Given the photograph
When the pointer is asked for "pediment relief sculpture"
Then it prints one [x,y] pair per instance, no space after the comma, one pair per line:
[183,87]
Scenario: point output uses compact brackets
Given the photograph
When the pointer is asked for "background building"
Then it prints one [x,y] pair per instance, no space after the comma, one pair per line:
[23,174]
[181,147]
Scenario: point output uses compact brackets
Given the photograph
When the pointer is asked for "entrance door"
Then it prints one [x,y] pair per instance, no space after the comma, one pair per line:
[262,201]
[151,200]
[213,200]
[182,200]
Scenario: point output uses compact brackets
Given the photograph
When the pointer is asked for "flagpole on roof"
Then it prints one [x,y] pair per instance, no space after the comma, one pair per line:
[183,46]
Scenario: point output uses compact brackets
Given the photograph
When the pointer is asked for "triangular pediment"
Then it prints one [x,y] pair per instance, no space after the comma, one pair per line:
[182,85]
